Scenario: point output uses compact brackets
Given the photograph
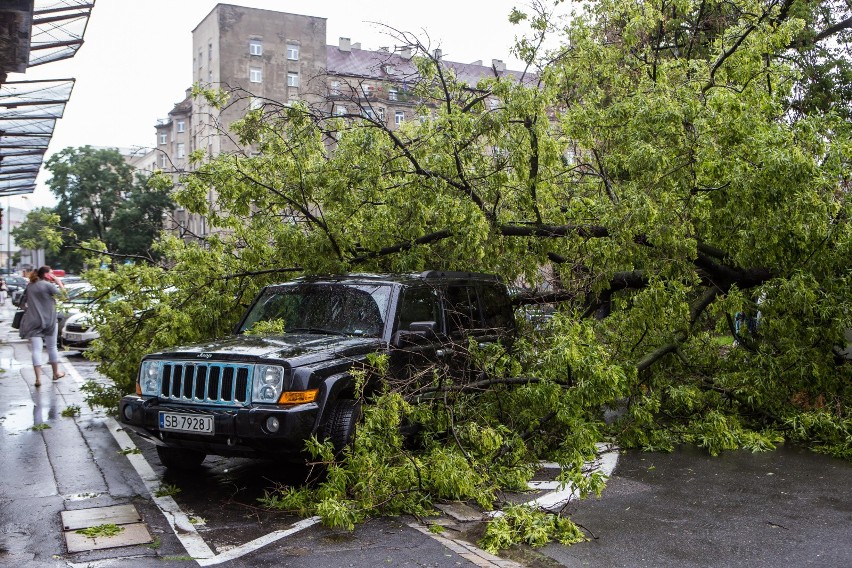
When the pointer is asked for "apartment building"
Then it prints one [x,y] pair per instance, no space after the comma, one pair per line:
[265,55]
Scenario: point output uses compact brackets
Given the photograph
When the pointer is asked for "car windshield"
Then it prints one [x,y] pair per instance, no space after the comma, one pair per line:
[324,308]
[81,294]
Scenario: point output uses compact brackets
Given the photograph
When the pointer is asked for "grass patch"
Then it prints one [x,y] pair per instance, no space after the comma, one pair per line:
[167,490]
[128,451]
[40,427]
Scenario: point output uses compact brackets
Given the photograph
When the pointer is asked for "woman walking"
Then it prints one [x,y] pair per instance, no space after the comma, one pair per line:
[38,323]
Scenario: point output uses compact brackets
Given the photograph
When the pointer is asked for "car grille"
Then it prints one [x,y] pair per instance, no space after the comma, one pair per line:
[226,384]
[76,328]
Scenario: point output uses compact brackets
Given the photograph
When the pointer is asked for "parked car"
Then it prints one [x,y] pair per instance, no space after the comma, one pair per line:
[15,283]
[260,395]
[78,331]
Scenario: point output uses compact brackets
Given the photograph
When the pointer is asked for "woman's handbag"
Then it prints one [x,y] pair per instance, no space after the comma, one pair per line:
[19,313]
[16,321]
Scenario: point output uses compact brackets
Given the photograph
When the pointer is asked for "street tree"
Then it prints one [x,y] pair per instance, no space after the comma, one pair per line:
[101,198]
[673,168]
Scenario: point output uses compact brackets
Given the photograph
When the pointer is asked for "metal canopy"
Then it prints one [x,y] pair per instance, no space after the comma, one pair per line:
[28,114]
[57,29]
[34,32]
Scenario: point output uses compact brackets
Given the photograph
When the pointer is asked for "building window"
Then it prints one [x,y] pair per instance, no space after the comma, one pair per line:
[164,160]
[334,89]
[367,90]
[392,94]
[382,114]
[163,138]
[292,52]
[255,75]
[181,150]
[292,79]
[368,112]
[339,110]
[255,47]
[209,52]
[181,126]
[209,75]
[399,117]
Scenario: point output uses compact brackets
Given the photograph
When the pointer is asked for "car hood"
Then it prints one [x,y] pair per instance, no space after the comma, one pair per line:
[297,349]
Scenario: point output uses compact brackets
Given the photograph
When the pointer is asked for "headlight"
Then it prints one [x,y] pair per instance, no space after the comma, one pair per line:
[149,377]
[267,383]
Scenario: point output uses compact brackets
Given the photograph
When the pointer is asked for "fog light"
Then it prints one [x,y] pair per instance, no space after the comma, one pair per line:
[128,412]
[272,424]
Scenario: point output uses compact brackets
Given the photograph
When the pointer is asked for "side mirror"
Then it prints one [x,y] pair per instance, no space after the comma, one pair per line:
[417,332]
[423,327]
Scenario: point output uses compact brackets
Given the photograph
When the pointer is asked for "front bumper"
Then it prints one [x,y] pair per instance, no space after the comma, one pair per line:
[237,431]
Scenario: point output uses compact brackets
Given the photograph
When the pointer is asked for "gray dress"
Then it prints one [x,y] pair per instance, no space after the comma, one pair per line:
[40,317]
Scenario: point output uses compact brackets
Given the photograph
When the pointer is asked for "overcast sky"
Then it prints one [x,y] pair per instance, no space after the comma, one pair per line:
[136,62]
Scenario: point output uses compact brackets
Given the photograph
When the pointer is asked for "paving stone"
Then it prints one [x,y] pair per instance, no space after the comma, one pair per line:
[132,534]
[86,518]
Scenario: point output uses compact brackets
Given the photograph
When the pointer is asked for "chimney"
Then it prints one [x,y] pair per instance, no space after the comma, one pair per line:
[498,65]
[356,45]
[478,63]
[405,52]
[345,44]
[438,54]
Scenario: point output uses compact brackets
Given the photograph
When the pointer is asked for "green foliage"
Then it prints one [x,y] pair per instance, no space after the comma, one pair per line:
[40,427]
[269,327]
[522,524]
[167,490]
[129,451]
[102,531]
[71,411]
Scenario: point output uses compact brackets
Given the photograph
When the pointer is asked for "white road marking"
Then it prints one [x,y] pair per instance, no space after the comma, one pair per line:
[180,523]
[560,496]
[467,551]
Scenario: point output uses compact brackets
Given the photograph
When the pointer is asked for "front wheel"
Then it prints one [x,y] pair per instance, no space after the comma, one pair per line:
[342,420]
[180,458]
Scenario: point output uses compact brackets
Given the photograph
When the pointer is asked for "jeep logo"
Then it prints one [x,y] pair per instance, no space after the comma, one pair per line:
[204,355]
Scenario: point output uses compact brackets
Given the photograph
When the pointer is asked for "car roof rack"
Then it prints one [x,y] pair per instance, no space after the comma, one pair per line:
[440,274]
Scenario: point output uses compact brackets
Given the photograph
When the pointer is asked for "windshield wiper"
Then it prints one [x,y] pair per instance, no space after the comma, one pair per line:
[317,330]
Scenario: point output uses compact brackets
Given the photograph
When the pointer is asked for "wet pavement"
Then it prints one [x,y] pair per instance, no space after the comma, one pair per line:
[783,508]
[789,507]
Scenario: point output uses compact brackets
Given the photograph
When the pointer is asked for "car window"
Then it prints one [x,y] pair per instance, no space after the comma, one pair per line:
[496,307]
[462,309]
[418,304]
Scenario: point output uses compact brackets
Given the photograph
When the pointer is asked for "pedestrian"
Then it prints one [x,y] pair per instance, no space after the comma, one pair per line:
[3,291]
[38,323]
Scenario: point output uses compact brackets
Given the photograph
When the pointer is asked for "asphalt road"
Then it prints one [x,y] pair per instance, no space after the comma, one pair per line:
[789,507]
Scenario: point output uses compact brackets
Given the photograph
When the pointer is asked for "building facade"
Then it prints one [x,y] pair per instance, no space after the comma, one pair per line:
[263,56]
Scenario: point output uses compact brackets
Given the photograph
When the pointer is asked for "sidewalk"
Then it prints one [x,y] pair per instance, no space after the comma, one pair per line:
[67,463]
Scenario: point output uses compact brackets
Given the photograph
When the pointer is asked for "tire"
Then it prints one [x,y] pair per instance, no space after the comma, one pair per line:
[341,424]
[180,458]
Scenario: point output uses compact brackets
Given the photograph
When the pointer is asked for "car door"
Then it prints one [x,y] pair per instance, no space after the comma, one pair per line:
[417,345]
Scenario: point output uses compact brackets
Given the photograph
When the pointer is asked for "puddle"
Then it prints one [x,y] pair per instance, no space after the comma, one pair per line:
[19,418]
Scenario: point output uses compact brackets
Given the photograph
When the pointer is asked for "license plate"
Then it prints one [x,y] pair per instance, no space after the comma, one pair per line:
[193,423]
[73,336]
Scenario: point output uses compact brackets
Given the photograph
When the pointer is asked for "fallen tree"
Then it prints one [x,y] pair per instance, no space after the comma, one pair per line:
[670,166]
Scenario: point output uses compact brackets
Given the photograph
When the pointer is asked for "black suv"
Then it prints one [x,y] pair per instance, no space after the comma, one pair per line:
[264,394]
